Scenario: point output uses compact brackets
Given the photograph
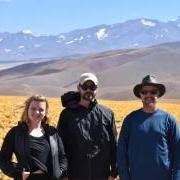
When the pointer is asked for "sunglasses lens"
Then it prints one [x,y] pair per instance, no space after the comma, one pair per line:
[93,88]
[86,87]
[152,92]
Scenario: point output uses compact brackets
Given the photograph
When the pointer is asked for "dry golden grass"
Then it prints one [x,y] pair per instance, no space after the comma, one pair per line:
[11,109]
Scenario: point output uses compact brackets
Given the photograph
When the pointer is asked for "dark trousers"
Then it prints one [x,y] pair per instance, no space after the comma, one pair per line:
[38,177]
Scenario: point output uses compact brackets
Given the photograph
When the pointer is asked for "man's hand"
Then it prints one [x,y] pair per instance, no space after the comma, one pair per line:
[25,175]
[65,178]
[111,178]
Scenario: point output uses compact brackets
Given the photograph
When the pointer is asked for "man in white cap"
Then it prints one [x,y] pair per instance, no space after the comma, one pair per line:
[89,134]
[149,141]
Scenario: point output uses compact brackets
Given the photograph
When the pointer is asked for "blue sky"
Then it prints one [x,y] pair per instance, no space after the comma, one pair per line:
[57,16]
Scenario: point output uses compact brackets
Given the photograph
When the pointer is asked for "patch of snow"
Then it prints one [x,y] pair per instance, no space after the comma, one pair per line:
[165,30]
[37,45]
[19,54]
[20,47]
[62,37]
[69,42]
[135,44]
[148,23]
[81,38]
[37,35]
[101,34]
[27,31]
[175,19]
[157,36]
[7,50]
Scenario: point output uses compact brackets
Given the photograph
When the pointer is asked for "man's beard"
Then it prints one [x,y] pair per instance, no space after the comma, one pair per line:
[151,102]
[88,96]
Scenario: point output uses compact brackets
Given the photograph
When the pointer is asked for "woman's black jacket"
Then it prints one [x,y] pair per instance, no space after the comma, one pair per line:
[16,141]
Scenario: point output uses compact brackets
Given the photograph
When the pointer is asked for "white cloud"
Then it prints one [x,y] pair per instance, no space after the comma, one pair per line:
[178,25]
[7,50]
[148,23]
[101,34]
[1,39]
[27,31]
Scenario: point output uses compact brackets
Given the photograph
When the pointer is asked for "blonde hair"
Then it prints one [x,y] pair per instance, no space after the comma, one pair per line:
[40,98]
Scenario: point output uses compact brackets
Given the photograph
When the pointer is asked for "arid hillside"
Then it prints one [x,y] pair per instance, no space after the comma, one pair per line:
[118,71]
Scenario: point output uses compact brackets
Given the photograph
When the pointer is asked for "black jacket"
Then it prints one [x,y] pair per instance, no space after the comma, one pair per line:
[89,137]
[16,141]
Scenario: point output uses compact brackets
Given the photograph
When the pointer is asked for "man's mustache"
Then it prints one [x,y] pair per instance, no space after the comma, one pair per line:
[150,98]
[88,96]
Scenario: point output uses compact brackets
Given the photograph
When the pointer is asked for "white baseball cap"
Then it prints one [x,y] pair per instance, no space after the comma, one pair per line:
[88,77]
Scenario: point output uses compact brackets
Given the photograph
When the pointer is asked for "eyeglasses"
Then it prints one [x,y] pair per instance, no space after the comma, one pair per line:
[85,87]
[152,92]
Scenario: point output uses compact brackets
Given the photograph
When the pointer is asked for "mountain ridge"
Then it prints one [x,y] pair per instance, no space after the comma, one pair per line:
[136,33]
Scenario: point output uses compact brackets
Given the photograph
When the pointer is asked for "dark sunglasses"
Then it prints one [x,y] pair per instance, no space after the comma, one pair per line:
[85,87]
[152,92]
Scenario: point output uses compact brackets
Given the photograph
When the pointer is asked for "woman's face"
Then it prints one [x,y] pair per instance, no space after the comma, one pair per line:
[37,111]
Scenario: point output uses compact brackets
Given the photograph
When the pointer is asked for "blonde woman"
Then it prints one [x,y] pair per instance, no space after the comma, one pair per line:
[36,145]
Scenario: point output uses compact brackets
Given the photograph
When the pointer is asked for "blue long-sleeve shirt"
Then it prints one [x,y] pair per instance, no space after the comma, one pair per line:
[149,147]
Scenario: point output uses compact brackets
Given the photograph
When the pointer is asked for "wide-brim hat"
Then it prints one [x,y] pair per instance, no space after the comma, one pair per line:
[149,80]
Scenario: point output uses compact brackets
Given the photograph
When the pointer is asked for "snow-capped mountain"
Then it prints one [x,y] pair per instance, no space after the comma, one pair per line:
[130,34]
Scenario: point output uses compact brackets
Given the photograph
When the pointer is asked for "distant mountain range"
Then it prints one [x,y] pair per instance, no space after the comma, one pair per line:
[130,34]
[118,72]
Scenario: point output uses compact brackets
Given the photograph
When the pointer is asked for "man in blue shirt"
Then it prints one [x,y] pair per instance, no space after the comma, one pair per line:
[149,141]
